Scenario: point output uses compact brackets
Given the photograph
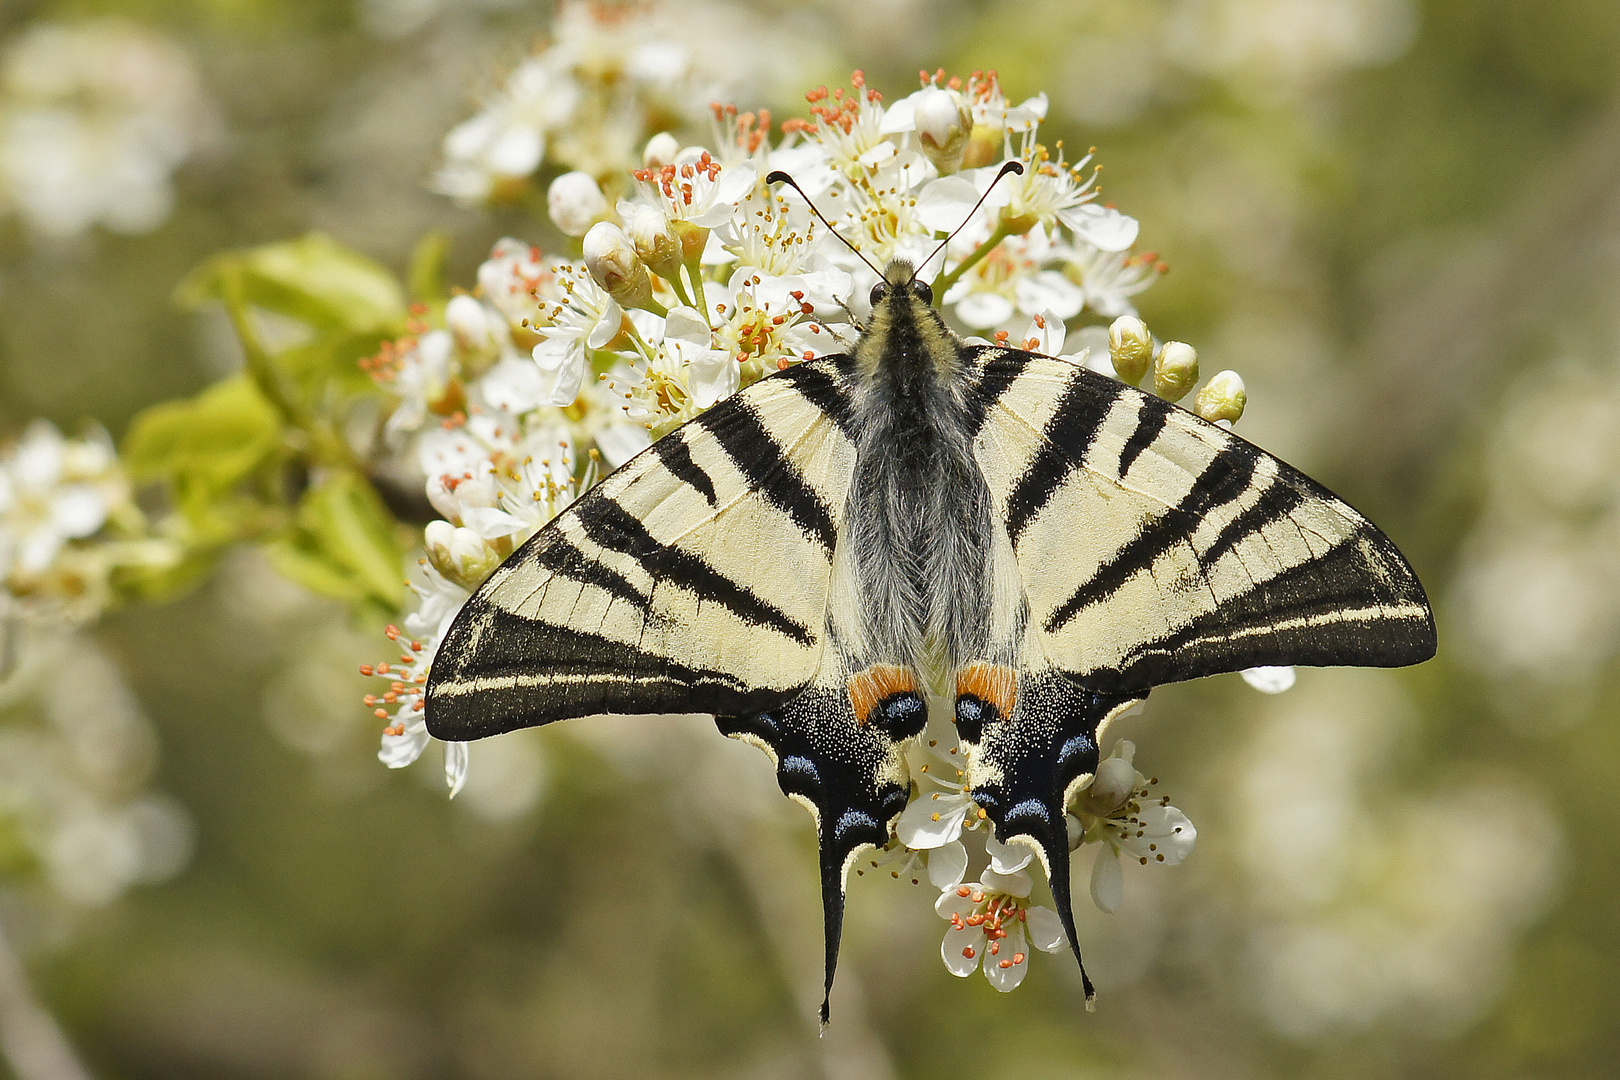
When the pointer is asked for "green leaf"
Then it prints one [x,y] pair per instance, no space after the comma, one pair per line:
[214,439]
[345,544]
[313,279]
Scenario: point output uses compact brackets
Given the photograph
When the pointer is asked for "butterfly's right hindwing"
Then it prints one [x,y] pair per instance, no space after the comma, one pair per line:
[694,579]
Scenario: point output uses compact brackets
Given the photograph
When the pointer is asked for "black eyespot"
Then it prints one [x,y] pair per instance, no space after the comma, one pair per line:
[879,291]
[922,291]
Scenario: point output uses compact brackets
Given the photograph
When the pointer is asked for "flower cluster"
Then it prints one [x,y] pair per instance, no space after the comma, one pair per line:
[68,528]
[695,278]
[94,120]
[611,76]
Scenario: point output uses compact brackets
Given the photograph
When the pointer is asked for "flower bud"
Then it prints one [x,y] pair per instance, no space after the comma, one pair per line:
[1175,371]
[1130,347]
[459,553]
[575,203]
[1222,398]
[660,151]
[615,266]
[469,323]
[694,238]
[944,123]
[654,239]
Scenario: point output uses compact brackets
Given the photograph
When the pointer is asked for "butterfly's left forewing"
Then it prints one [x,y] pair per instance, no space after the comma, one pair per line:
[700,578]
[694,579]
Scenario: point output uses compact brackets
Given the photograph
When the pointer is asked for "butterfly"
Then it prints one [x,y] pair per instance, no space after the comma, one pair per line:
[1023,544]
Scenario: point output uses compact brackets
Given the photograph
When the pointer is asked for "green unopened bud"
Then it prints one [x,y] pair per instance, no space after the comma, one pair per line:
[575,203]
[660,150]
[655,241]
[1175,371]
[459,554]
[944,123]
[614,265]
[1222,398]
[1130,347]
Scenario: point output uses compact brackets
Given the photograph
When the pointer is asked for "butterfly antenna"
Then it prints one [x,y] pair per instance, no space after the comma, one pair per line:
[1010,167]
[778,176]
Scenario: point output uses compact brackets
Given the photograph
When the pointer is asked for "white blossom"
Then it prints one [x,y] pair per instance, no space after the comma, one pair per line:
[94,121]
[993,925]
[1117,810]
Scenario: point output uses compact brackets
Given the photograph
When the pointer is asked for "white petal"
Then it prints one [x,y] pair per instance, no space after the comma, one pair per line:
[399,751]
[1007,961]
[1116,779]
[713,375]
[930,823]
[1007,858]
[1017,883]
[901,116]
[1269,680]
[1107,880]
[735,182]
[39,456]
[944,204]
[491,523]
[962,950]
[1101,227]
[1045,929]
[958,900]
[947,865]
[78,510]
[607,327]
[622,441]
[983,310]
[1167,832]
[685,324]
[516,151]
[455,766]
[1050,291]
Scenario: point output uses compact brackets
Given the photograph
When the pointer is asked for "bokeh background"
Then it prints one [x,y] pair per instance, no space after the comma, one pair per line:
[1399,219]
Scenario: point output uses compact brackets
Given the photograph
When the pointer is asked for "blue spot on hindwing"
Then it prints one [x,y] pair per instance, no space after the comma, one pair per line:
[1080,744]
[851,820]
[1029,808]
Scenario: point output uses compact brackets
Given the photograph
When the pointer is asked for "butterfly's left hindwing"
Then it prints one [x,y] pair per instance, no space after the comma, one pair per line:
[694,579]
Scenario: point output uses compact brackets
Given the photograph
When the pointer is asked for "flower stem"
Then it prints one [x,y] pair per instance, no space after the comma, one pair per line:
[943,285]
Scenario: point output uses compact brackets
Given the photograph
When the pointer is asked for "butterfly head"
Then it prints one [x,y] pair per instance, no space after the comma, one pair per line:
[905,337]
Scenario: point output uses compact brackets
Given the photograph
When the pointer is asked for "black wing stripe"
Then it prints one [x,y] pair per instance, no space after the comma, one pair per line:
[562,557]
[610,525]
[1224,479]
[1150,420]
[755,451]
[677,458]
[826,392]
[523,672]
[1328,610]
[1068,436]
[1000,371]
[1278,501]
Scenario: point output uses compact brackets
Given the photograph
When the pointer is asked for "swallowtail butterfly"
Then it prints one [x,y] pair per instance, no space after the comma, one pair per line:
[1031,544]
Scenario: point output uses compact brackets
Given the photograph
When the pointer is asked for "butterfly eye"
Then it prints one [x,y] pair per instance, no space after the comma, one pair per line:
[879,291]
[922,291]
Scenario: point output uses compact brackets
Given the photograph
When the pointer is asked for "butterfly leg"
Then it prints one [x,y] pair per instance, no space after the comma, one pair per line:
[845,767]
[1029,743]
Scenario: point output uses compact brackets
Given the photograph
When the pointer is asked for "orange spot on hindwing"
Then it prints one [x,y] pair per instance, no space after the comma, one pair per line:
[984,693]
[886,695]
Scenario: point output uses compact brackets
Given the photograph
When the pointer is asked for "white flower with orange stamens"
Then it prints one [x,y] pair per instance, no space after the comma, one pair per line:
[993,925]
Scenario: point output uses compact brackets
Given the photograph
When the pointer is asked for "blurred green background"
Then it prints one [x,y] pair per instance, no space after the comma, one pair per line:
[1398,219]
